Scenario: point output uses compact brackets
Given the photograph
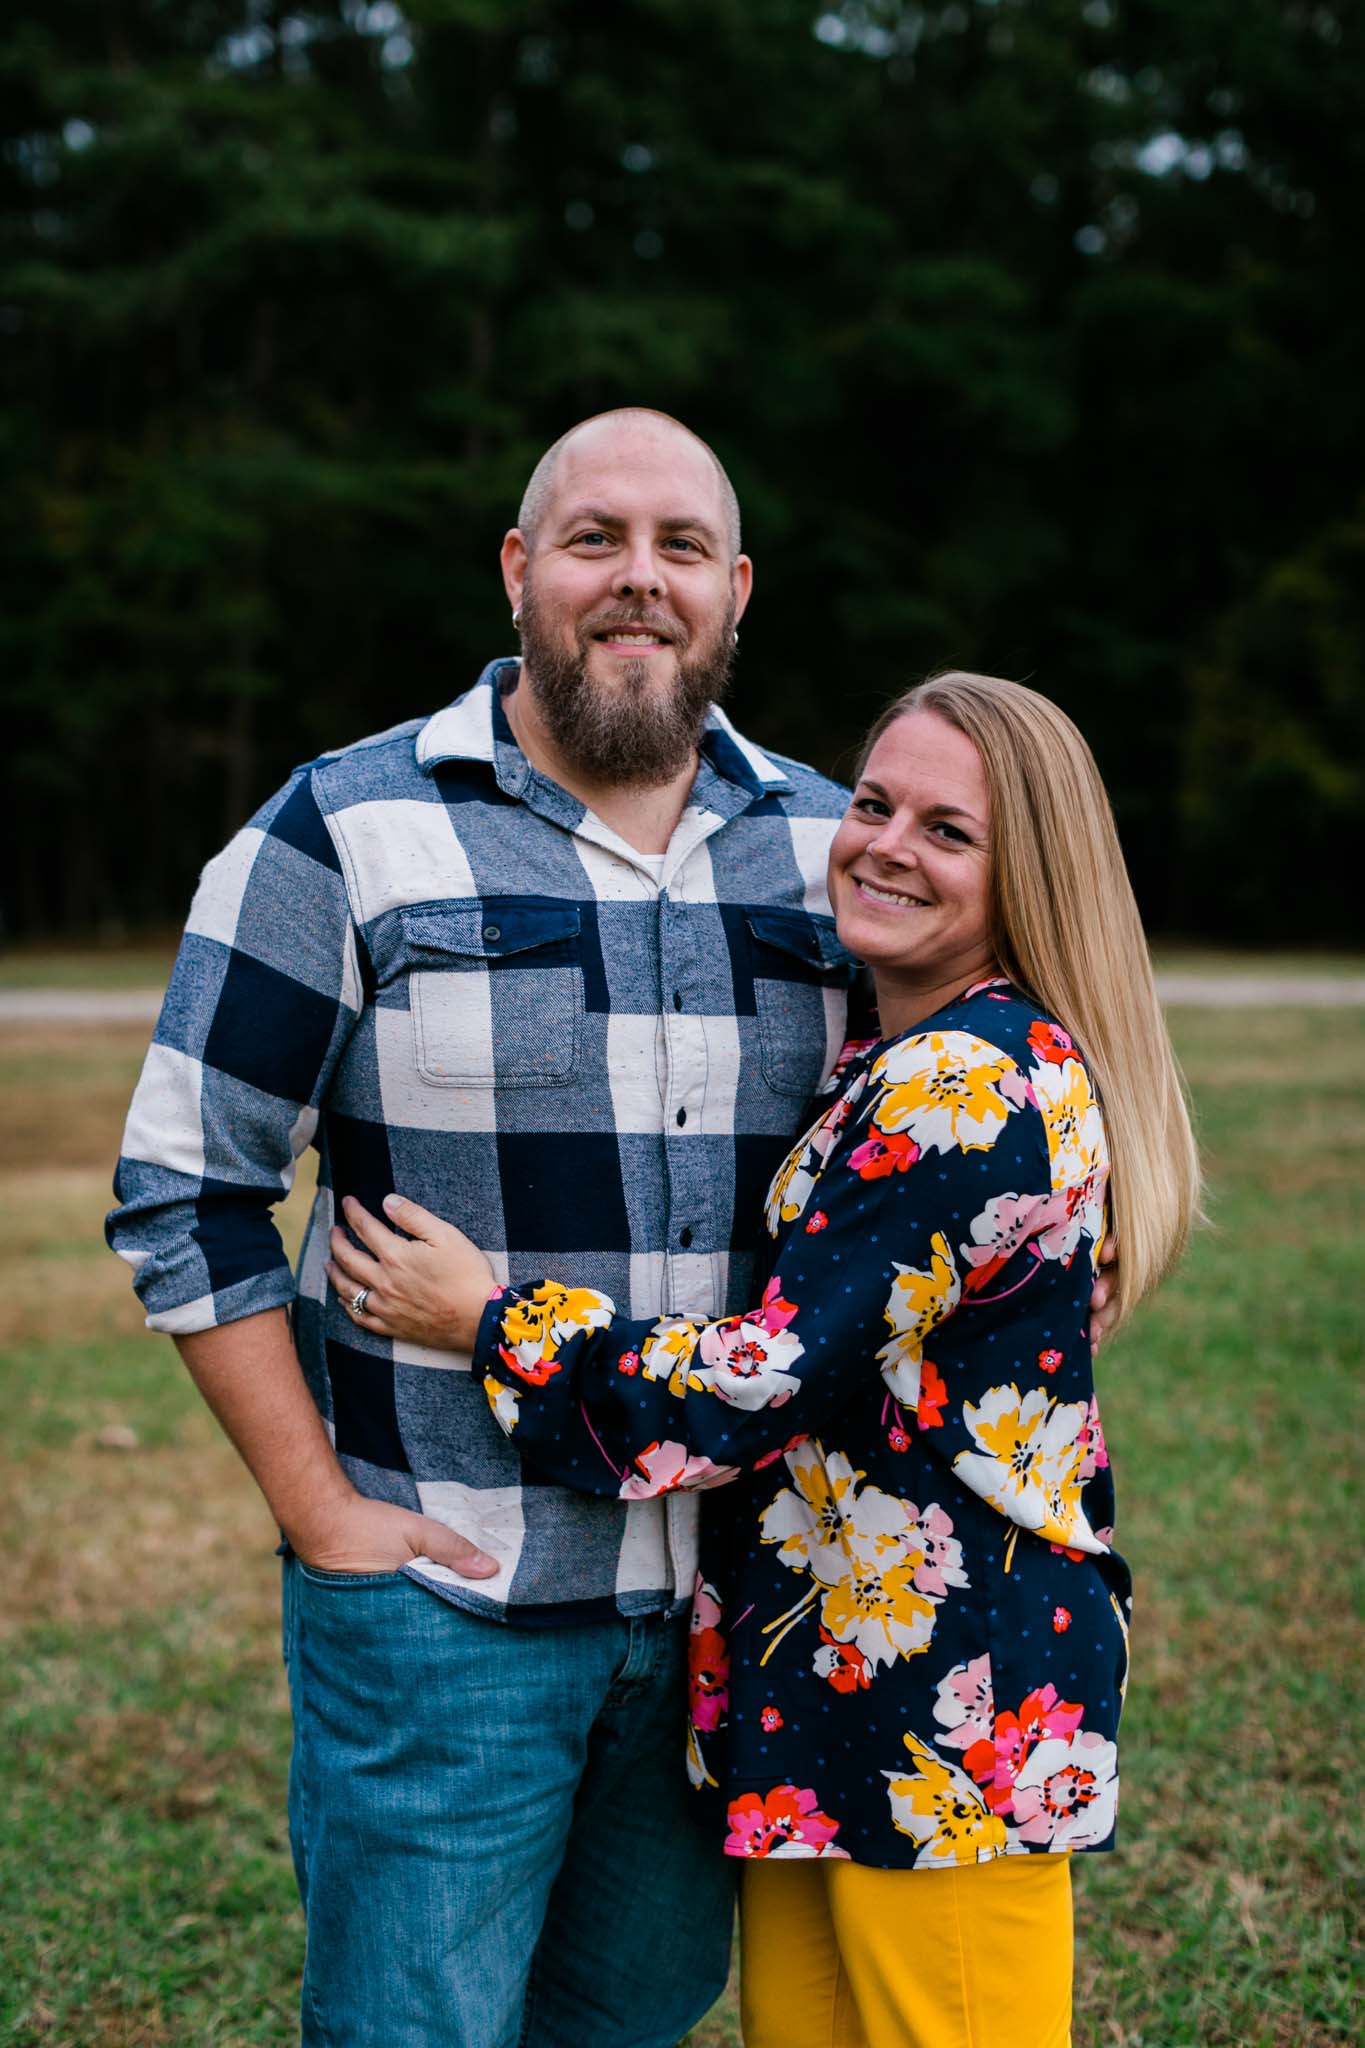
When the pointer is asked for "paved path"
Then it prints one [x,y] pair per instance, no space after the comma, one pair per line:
[1195,991]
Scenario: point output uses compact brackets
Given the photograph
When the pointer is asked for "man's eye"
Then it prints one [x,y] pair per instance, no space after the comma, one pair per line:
[681,541]
[583,539]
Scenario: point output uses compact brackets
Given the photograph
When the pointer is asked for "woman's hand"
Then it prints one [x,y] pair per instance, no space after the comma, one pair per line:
[428,1287]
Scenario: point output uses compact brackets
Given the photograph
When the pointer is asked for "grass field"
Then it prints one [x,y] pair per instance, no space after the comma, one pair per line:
[147,965]
[147,1898]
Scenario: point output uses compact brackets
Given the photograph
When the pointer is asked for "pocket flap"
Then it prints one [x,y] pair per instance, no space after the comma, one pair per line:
[802,937]
[490,930]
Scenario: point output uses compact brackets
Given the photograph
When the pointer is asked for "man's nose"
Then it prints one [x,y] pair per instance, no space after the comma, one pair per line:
[638,574]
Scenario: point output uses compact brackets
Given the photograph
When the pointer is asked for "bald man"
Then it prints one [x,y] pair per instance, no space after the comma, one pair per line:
[558,964]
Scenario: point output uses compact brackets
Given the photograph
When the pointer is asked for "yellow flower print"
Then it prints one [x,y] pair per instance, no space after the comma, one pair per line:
[808,1520]
[862,1549]
[667,1354]
[1029,1462]
[946,1090]
[794,1182]
[917,1304]
[790,1190]
[877,1609]
[943,1812]
[533,1330]
[1071,1117]
[503,1402]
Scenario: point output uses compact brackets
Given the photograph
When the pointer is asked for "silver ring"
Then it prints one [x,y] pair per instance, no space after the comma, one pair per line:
[358,1301]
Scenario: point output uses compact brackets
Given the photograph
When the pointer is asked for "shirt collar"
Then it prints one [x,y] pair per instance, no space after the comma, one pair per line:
[475,728]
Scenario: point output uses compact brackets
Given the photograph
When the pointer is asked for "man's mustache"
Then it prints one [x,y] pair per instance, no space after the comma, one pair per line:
[639,619]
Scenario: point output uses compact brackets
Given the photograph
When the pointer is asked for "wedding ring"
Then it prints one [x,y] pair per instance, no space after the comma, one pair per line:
[358,1301]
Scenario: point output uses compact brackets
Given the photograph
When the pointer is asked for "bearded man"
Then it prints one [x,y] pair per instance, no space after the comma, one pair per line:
[558,964]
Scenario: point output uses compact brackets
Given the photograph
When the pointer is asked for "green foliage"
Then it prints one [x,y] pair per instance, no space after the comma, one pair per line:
[1030,332]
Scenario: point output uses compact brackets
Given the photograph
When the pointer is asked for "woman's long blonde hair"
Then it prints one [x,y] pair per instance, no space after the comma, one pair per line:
[1066,930]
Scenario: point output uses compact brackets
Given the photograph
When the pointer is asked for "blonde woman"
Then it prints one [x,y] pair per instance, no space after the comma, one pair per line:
[911,1630]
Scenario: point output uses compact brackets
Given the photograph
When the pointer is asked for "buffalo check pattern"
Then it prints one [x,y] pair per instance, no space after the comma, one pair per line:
[432,964]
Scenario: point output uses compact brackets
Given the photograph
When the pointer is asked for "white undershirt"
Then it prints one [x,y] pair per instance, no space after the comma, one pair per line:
[654,864]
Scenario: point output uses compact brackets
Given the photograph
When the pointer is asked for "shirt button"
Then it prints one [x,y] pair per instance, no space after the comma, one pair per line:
[677,1000]
[685,1237]
[682,1116]
[492,932]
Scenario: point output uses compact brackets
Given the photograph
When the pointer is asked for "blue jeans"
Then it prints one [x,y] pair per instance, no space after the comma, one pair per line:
[493,1833]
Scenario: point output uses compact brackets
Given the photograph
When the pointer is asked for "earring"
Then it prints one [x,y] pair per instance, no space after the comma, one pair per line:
[516,620]
[734,636]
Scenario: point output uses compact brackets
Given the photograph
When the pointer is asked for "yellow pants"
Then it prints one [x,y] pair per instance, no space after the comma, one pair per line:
[839,1955]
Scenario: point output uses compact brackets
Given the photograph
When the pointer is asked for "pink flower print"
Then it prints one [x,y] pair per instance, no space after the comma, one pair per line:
[883,1154]
[708,1678]
[775,1313]
[1066,1794]
[747,1363]
[898,1437]
[1061,1619]
[1051,1043]
[941,1565]
[1094,1456]
[996,1764]
[1049,1360]
[706,1608]
[816,1221]
[664,1466]
[965,1707]
[787,1822]
[628,1363]
[771,1457]
[770,1720]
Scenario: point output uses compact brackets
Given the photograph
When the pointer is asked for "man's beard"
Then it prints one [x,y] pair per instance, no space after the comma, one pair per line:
[632,733]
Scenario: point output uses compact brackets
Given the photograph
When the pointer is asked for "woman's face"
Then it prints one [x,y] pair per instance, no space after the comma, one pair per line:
[909,869]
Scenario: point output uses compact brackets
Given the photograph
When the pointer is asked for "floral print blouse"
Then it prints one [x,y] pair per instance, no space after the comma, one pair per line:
[910,1632]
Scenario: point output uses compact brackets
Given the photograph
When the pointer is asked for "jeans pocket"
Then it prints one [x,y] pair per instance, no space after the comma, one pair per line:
[316,1576]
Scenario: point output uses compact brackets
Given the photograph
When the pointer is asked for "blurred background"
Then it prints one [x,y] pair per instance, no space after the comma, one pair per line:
[1033,335]
[1031,331]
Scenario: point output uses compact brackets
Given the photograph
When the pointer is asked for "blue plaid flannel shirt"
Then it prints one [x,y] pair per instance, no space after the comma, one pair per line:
[430,962]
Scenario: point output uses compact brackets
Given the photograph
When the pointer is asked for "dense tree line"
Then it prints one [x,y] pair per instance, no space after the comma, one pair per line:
[1031,331]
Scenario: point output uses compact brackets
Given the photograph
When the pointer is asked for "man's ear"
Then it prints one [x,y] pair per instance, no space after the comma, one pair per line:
[514,556]
[742,583]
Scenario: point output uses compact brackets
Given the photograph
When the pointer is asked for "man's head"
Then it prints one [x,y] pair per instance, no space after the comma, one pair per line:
[625,571]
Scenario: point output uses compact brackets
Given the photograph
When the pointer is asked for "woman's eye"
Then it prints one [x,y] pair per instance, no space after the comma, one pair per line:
[870,807]
[953,834]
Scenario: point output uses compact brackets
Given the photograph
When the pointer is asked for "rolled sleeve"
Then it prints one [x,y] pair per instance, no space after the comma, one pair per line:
[263,997]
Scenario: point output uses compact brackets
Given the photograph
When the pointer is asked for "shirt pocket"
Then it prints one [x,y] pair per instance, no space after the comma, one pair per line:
[802,976]
[496,993]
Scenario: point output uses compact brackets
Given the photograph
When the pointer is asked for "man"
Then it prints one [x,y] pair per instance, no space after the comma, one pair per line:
[557,963]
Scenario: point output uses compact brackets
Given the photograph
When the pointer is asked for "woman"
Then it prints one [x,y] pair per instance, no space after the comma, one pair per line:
[909,1592]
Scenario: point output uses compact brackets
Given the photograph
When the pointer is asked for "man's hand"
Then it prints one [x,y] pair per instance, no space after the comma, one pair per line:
[363,1535]
[249,1375]
[1103,1307]
[428,1287]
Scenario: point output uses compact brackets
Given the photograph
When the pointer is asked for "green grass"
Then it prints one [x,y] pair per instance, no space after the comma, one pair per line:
[148,965]
[137,966]
[1173,958]
[143,1724]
